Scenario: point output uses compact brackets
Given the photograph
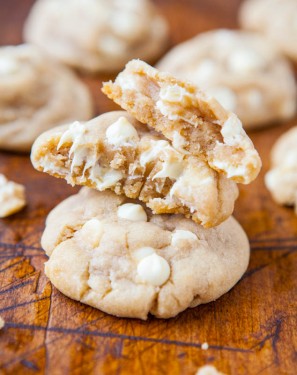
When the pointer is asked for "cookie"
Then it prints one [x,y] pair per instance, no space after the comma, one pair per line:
[114,151]
[274,18]
[281,180]
[36,94]
[193,121]
[12,197]
[97,35]
[112,253]
[240,69]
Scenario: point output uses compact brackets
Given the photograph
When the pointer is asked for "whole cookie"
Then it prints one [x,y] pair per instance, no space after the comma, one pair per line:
[108,252]
[281,180]
[240,69]
[36,94]
[97,35]
[277,19]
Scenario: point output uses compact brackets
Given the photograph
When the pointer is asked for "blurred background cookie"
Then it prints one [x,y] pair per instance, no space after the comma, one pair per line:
[36,94]
[242,70]
[277,19]
[281,180]
[97,35]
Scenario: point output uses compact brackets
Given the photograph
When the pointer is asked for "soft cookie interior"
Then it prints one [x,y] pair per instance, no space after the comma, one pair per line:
[193,121]
[116,152]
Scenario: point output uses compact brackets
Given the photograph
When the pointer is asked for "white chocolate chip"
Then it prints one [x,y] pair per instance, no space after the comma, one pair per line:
[231,171]
[154,270]
[179,142]
[104,178]
[231,130]
[183,235]
[156,147]
[170,169]
[91,232]
[127,83]
[173,94]
[245,61]
[225,96]
[2,323]
[131,211]
[142,253]
[75,134]
[121,133]
[8,66]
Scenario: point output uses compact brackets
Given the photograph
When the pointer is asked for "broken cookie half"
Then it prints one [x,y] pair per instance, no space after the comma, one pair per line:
[193,121]
[114,151]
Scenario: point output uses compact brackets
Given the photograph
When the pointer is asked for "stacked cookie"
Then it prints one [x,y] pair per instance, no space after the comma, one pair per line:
[151,231]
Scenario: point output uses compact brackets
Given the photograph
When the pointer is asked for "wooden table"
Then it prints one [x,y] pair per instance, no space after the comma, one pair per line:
[251,330]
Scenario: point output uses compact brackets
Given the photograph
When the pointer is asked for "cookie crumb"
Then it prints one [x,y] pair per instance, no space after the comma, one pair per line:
[12,197]
[205,346]
[2,323]
[208,370]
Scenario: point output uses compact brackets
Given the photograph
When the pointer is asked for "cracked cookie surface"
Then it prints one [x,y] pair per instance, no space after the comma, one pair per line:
[97,35]
[36,94]
[240,69]
[192,120]
[112,253]
[281,180]
[115,151]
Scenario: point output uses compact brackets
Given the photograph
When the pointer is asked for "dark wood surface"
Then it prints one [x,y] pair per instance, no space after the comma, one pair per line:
[251,330]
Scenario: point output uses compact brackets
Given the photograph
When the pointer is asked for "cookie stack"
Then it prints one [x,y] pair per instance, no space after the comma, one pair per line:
[151,231]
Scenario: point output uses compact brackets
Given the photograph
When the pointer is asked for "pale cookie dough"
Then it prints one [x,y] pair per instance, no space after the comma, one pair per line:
[12,197]
[2,323]
[281,180]
[277,19]
[114,151]
[193,121]
[97,35]
[36,94]
[242,70]
[131,268]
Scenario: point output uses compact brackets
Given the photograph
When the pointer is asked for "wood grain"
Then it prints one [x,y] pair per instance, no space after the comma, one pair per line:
[251,330]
